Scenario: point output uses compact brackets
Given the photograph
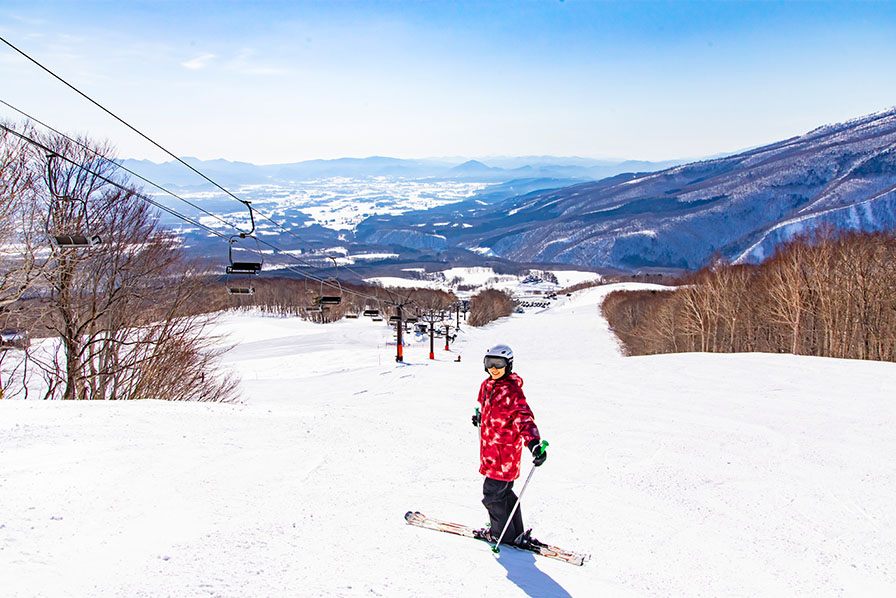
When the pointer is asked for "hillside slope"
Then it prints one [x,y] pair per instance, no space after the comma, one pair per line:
[739,207]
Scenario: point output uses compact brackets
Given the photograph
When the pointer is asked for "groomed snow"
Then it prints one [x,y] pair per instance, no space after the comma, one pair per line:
[683,475]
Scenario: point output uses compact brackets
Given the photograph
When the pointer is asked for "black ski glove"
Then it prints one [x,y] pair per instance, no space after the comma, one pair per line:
[539,453]
[477,418]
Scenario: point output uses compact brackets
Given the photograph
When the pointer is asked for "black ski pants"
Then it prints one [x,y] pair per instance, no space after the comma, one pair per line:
[499,499]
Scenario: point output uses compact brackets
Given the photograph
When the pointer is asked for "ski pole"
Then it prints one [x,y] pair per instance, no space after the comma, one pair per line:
[495,549]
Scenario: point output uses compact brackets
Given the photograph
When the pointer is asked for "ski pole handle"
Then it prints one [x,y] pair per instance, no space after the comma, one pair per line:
[538,450]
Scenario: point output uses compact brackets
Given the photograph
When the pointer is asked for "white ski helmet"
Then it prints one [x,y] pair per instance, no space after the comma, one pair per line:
[502,351]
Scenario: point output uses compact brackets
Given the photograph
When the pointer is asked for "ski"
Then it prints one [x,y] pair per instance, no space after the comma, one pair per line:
[545,550]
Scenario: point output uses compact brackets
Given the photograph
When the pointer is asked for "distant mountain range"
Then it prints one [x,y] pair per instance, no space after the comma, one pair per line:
[739,207]
[499,169]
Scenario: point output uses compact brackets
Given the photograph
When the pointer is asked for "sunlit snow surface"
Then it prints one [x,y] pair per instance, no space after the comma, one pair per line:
[337,203]
[683,475]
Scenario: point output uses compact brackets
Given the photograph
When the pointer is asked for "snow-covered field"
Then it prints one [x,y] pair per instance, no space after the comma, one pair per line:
[683,475]
[478,276]
[338,203]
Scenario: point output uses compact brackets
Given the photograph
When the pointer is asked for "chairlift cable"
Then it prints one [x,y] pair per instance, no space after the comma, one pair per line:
[118,165]
[144,136]
[118,118]
[183,217]
[141,196]
[165,150]
[156,144]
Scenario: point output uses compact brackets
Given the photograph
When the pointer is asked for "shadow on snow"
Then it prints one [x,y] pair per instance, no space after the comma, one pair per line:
[521,570]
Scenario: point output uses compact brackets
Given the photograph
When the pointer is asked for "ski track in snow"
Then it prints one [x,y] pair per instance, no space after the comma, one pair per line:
[682,475]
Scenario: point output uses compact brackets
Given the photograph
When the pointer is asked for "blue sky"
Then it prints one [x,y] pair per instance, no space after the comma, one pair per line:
[272,82]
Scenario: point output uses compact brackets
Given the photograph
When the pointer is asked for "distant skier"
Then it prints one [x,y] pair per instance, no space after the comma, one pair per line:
[505,423]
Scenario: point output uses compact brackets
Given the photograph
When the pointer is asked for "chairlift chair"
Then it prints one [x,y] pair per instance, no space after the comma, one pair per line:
[240,290]
[85,240]
[331,299]
[73,239]
[371,313]
[244,266]
[14,339]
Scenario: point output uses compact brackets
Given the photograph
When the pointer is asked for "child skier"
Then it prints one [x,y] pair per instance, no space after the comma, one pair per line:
[505,423]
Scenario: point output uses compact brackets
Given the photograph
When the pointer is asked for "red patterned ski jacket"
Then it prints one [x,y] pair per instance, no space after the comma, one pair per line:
[507,423]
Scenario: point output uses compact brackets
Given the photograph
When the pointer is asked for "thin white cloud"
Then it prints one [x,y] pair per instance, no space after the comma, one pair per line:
[198,62]
[26,20]
[246,62]
[246,54]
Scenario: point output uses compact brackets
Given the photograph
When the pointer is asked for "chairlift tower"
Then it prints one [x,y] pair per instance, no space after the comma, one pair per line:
[447,336]
[457,308]
[398,320]
[430,317]
[399,326]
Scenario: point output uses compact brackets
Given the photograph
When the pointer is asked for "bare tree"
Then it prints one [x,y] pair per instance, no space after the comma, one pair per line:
[787,291]
[21,262]
[489,305]
[120,307]
[432,300]
[20,229]
[828,293]
[433,308]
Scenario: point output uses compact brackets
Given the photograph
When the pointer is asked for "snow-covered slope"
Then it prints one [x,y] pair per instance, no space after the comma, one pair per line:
[683,475]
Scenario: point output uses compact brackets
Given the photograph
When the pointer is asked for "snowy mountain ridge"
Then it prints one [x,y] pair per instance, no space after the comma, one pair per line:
[739,206]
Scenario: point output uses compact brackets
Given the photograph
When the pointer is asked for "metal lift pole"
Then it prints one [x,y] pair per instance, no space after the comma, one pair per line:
[399,355]
[432,335]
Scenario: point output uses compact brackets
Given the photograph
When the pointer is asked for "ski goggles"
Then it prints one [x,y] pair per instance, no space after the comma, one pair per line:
[494,362]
